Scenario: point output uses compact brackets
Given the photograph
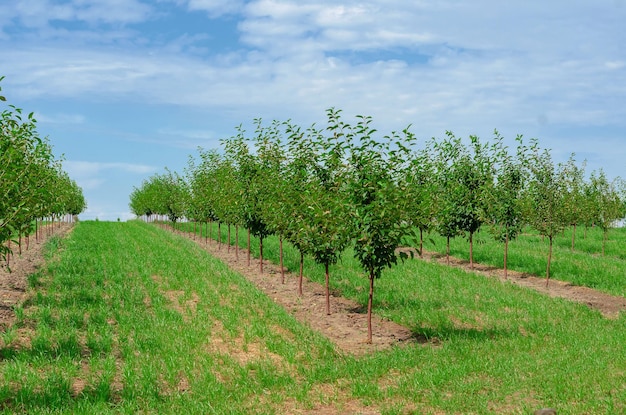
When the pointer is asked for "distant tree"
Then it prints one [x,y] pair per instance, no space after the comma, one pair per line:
[545,198]
[504,207]
[574,178]
[252,187]
[421,193]
[464,173]
[608,205]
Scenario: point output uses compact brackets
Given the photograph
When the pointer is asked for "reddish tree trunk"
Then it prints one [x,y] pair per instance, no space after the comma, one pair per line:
[248,247]
[261,255]
[237,242]
[228,240]
[219,235]
[282,268]
[370,301]
[549,260]
[471,241]
[506,254]
[9,255]
[327,279]
[301,272]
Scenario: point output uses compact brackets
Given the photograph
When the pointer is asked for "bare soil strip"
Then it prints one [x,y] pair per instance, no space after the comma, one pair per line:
[609,305]
[13,284]
[346,326]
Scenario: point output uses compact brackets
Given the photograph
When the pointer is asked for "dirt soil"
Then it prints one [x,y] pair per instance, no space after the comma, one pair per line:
[346,327]
[13,284]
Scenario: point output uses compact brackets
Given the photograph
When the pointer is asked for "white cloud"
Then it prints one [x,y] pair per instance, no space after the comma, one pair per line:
[39,13]
[86,169]
[60,118]
[482,64]
[216,8]
[522,67]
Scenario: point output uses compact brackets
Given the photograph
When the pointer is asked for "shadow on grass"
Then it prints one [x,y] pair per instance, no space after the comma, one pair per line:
[448,332]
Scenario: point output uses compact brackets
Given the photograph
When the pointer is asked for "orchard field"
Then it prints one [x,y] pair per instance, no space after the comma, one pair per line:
[190,310]
[134,318]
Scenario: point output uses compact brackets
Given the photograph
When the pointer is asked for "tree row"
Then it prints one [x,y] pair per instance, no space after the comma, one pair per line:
[33,184]
[324,189]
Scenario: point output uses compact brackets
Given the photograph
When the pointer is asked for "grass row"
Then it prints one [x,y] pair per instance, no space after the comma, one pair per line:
[583,266]
[130,318]
[463,308]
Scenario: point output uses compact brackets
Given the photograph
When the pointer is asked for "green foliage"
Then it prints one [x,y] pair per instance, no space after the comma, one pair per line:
[378,189]
[32,182]
[162,194]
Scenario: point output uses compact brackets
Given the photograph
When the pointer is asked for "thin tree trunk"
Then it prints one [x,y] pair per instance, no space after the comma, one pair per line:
[19,243]
[506,254]
[237,242]
[327,279]
[282,268]
[228,241]
[9,255]
[195,230]
[448,251]
[301,272]
[370,302]
[573,236]
[261,254]
[549,260]
[471,241]
[219,235]
[248,247]
[604,242]
[421,242]
[206,233]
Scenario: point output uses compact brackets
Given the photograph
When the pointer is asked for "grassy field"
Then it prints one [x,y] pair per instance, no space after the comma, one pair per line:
[130,318]
[585,266]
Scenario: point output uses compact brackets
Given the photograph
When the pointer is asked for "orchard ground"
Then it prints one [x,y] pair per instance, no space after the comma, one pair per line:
[127,317]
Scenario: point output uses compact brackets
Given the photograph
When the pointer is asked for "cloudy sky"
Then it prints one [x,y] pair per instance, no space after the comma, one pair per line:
[124,88]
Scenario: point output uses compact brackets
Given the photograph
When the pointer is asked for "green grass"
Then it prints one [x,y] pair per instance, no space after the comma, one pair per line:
[130,318]
[585,266]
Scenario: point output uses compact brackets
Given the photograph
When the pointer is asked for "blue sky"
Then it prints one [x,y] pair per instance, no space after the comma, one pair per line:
[124,88]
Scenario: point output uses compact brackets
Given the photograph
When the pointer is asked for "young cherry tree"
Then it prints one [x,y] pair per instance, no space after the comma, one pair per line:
[422,192]
[248,168]
[378,188]
[607,202]
[574,180]
[295,195]
[544,199]
[273,200]
[325,230]
[504,197]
